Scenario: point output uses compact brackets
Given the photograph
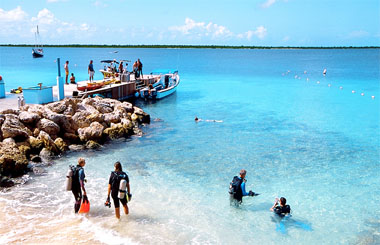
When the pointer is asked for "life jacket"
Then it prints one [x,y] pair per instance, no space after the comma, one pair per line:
[75,178]
[235,188]
[115,180]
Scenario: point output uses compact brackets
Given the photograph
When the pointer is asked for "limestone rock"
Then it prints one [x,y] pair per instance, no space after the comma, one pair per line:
[37,109]
[12,161]
[111,118]
[10,111]
[13,128]
[80,118]
[62,146]
[93,132]
[48,126]
[115,131]
[92,144]
[48,142]
[128,107]
[6,182]
[58,107]
[71,137]
[76,147]
[103,107]
[36,144]
[28,117]
[46,154]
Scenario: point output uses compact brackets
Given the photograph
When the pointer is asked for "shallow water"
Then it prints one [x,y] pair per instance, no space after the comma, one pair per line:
[316,145]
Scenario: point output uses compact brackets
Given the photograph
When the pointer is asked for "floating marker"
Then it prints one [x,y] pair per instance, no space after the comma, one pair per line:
[329,85]
[353,91]
[373,96]
[362,94]
[340,87]
[318,82]
[307,79]
[295,76]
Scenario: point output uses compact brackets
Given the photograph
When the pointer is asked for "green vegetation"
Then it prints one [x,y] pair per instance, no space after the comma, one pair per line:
[183,46]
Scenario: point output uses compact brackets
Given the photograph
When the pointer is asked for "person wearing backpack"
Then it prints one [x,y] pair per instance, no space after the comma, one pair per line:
[115,188]
[78,183]
[237,188]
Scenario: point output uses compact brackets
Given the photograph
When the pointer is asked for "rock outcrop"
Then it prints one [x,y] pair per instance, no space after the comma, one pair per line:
[45,131]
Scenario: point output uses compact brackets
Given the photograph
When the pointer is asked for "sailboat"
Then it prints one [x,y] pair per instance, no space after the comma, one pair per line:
[37,51]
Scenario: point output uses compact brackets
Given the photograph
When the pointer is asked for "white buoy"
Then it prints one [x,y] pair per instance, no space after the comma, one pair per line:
[329,85]
[340,87]
[324,71]
[295,76]
[362,94]
[307,79]
[318,82]
[373,96]
[353,91]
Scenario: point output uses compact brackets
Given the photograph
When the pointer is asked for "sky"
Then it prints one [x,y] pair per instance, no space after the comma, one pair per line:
[192,22]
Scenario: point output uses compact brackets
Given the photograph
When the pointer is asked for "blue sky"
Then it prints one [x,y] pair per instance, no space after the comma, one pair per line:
[208,22]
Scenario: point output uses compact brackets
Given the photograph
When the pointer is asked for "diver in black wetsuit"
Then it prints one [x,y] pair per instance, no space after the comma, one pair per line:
[280,207]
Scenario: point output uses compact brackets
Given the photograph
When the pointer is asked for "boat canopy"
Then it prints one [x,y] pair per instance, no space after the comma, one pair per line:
[164,71]
[109,61]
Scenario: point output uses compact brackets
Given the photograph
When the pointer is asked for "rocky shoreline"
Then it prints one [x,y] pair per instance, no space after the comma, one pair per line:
[36,133]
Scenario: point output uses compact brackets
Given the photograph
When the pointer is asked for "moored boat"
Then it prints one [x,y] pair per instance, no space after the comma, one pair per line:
[90,86]
[37,51]
[165,86]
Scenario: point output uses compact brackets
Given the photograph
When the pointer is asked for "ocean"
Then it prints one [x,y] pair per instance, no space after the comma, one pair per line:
[311,138]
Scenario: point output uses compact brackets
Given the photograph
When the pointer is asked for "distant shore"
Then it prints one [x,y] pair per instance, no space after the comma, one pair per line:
[185,46]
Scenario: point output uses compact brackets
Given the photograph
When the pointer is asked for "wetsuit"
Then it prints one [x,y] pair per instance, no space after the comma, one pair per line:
[114,181]
[76,187]
[240,191]
[282,210]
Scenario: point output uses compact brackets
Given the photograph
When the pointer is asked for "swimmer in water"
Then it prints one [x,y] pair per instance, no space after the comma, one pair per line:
[198,120]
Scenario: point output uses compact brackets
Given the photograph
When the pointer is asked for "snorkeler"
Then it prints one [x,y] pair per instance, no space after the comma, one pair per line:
[199,120]
[280,207]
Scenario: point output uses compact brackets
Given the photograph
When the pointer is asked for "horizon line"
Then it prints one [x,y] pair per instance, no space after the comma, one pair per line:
[213,46]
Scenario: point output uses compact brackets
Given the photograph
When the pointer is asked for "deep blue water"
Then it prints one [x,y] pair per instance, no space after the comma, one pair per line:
[298,137]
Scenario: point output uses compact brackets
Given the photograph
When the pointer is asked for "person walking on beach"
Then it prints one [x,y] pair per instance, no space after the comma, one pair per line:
[91,71]
[237,188]
[66,67]
[78,183]
[116,190]
[139,68]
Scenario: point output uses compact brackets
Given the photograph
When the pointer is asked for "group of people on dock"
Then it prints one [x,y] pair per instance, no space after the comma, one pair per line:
[137,70]
[120,191]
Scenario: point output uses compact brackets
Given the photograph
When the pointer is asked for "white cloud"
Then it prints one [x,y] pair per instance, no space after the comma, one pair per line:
[358,34]
[201,29]
[198,30]
[260,33]
[44,17]
[13,15]
[268,3]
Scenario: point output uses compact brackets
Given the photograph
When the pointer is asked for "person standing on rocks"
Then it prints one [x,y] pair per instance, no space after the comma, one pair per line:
[78,183]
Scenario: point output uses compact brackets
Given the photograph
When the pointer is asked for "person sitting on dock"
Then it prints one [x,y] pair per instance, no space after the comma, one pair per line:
[72,78]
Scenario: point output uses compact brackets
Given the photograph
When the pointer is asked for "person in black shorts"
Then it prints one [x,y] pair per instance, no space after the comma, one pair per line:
[113,189]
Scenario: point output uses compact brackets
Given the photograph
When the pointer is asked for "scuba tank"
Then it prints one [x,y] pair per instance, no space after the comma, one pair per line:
[122,188]
[69,179]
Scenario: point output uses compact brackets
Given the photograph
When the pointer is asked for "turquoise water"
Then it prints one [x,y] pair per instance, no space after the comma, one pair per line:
[315,144]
